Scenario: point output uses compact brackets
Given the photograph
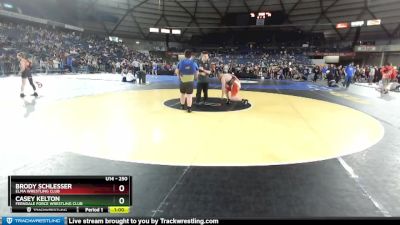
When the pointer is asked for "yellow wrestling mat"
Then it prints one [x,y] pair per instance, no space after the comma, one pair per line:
[136,126]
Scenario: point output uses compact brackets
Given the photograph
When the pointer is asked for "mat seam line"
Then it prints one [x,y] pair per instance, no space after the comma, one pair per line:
[356,179]
[170,191]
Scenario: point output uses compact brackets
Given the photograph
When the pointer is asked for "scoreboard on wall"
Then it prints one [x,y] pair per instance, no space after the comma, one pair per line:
[254,18]
[70,194]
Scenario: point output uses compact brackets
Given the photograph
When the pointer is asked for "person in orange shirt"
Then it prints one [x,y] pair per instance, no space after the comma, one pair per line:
[387,72]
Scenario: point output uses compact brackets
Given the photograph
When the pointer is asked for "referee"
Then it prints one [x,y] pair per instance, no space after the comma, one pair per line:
[203,80]
[187,70]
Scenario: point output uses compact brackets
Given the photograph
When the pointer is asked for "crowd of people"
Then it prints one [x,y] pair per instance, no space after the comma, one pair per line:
[59,51]
[54,50]
[266,63]
[336,75]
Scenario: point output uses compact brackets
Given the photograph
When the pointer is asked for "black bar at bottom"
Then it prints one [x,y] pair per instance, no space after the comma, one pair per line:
[199,221]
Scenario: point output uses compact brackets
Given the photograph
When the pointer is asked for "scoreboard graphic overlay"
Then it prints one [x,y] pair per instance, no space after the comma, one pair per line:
[73,194]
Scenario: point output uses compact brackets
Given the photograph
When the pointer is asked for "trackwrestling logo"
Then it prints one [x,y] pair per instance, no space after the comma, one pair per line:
[32,220]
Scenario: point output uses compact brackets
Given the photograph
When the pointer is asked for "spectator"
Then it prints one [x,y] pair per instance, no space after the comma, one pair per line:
[387,72]
[349,74]
[371,77]
[317,73]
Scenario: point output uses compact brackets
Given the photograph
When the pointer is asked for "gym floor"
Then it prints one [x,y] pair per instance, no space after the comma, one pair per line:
[299,149]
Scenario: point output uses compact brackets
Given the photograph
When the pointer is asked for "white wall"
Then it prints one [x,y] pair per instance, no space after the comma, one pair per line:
[331,59]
